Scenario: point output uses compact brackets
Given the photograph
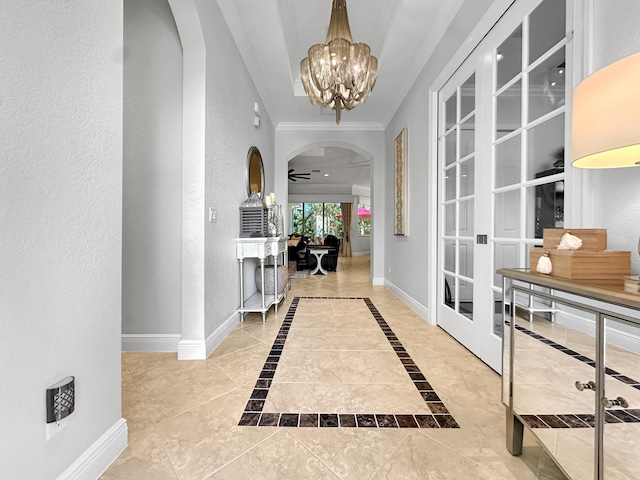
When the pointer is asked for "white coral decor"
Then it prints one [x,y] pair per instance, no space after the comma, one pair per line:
[544,265]
[569,242]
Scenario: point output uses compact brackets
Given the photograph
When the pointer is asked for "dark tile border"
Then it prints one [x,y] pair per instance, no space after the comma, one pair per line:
[254,416]
[581,420]
[561,348]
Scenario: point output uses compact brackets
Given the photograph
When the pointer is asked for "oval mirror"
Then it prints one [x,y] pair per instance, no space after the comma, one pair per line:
[255,172]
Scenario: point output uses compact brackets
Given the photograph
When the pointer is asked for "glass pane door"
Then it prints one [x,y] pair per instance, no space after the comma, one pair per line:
[528,139]
[501,134]
[457,170]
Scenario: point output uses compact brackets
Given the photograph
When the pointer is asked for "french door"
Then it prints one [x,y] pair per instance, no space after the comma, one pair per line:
[501,137]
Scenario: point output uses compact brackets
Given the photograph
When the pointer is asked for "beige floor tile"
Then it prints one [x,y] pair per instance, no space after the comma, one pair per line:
[144,459]
[345,398]
[337,339]
[303,366]
[183,415]
[487,448]
[419,457]
[263,332]
[279,457]
[150,365]
[134,409]
[372,367]
[206,438]
[353,454]
[237,340]
[171,395]
[243,366]
[336,322]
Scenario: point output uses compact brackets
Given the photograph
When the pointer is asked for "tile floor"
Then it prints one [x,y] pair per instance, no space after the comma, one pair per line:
[344,363]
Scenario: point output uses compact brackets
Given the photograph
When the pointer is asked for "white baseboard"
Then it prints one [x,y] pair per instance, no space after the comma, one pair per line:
[221,333]
[376,280]
[577,323]
[411,302]
[192,350]
[201,349]
[620,338]
[150,342]
[97,458]
[360,254]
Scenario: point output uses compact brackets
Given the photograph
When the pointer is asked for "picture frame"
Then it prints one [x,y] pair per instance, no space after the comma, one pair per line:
[400,184]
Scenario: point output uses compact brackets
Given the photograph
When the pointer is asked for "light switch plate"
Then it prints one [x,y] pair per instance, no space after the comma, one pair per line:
[52,429]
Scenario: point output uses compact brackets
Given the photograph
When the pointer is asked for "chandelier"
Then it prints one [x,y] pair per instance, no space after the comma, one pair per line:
[338,74]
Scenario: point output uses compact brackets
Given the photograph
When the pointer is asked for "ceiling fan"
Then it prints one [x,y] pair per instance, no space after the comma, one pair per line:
[294,177]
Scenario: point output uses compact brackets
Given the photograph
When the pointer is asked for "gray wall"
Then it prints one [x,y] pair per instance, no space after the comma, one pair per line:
[152,170]
[153,199]
[230,98]
[60,235]
[406,261]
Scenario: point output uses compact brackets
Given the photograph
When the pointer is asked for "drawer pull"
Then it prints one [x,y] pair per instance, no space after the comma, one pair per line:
[618,402]
[585,386]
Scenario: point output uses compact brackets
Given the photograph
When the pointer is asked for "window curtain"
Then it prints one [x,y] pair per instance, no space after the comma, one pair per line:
[347,214]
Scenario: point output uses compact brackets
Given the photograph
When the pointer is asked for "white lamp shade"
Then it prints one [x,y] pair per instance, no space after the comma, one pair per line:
[606,117]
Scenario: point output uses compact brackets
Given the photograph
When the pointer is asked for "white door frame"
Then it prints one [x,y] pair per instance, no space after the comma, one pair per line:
[577,208]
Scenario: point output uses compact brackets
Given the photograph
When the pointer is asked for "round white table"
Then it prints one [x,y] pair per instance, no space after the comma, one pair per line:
[319,253]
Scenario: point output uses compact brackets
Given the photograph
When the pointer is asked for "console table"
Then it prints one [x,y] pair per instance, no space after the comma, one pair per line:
[575,382]
[261,248]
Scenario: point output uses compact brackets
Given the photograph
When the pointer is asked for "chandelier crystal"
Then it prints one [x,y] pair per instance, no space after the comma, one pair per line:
[339,74]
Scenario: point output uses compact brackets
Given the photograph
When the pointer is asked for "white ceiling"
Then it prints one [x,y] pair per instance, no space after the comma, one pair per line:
[330,166]
[273,36]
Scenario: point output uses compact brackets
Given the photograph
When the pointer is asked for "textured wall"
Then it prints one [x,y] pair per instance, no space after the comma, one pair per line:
[407,256]
[229,133]
[617,202]
[60,235]
[152,170]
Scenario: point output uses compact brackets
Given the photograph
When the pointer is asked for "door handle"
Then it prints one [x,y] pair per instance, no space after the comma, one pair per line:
[618,402]
[585,386]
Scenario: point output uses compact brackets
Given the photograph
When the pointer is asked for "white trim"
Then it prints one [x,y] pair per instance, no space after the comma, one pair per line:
[360,254]
[327,127]
[581,209]
[486,23]
[194,101]
[376,280]
[411,302]
[221,333]
[321,197]
[622,339]
[97,458]
[150,342]
[192,350]
[625,340]
[434,290]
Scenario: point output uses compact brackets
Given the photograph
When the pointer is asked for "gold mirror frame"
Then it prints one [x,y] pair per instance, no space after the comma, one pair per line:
[255,173]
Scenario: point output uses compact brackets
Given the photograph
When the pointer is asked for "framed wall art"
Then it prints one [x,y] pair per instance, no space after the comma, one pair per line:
[400,183]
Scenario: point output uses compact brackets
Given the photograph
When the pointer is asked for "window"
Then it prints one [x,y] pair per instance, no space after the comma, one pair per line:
[364,219]
[315,220]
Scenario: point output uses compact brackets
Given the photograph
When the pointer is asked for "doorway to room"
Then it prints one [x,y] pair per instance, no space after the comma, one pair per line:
[322,182]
